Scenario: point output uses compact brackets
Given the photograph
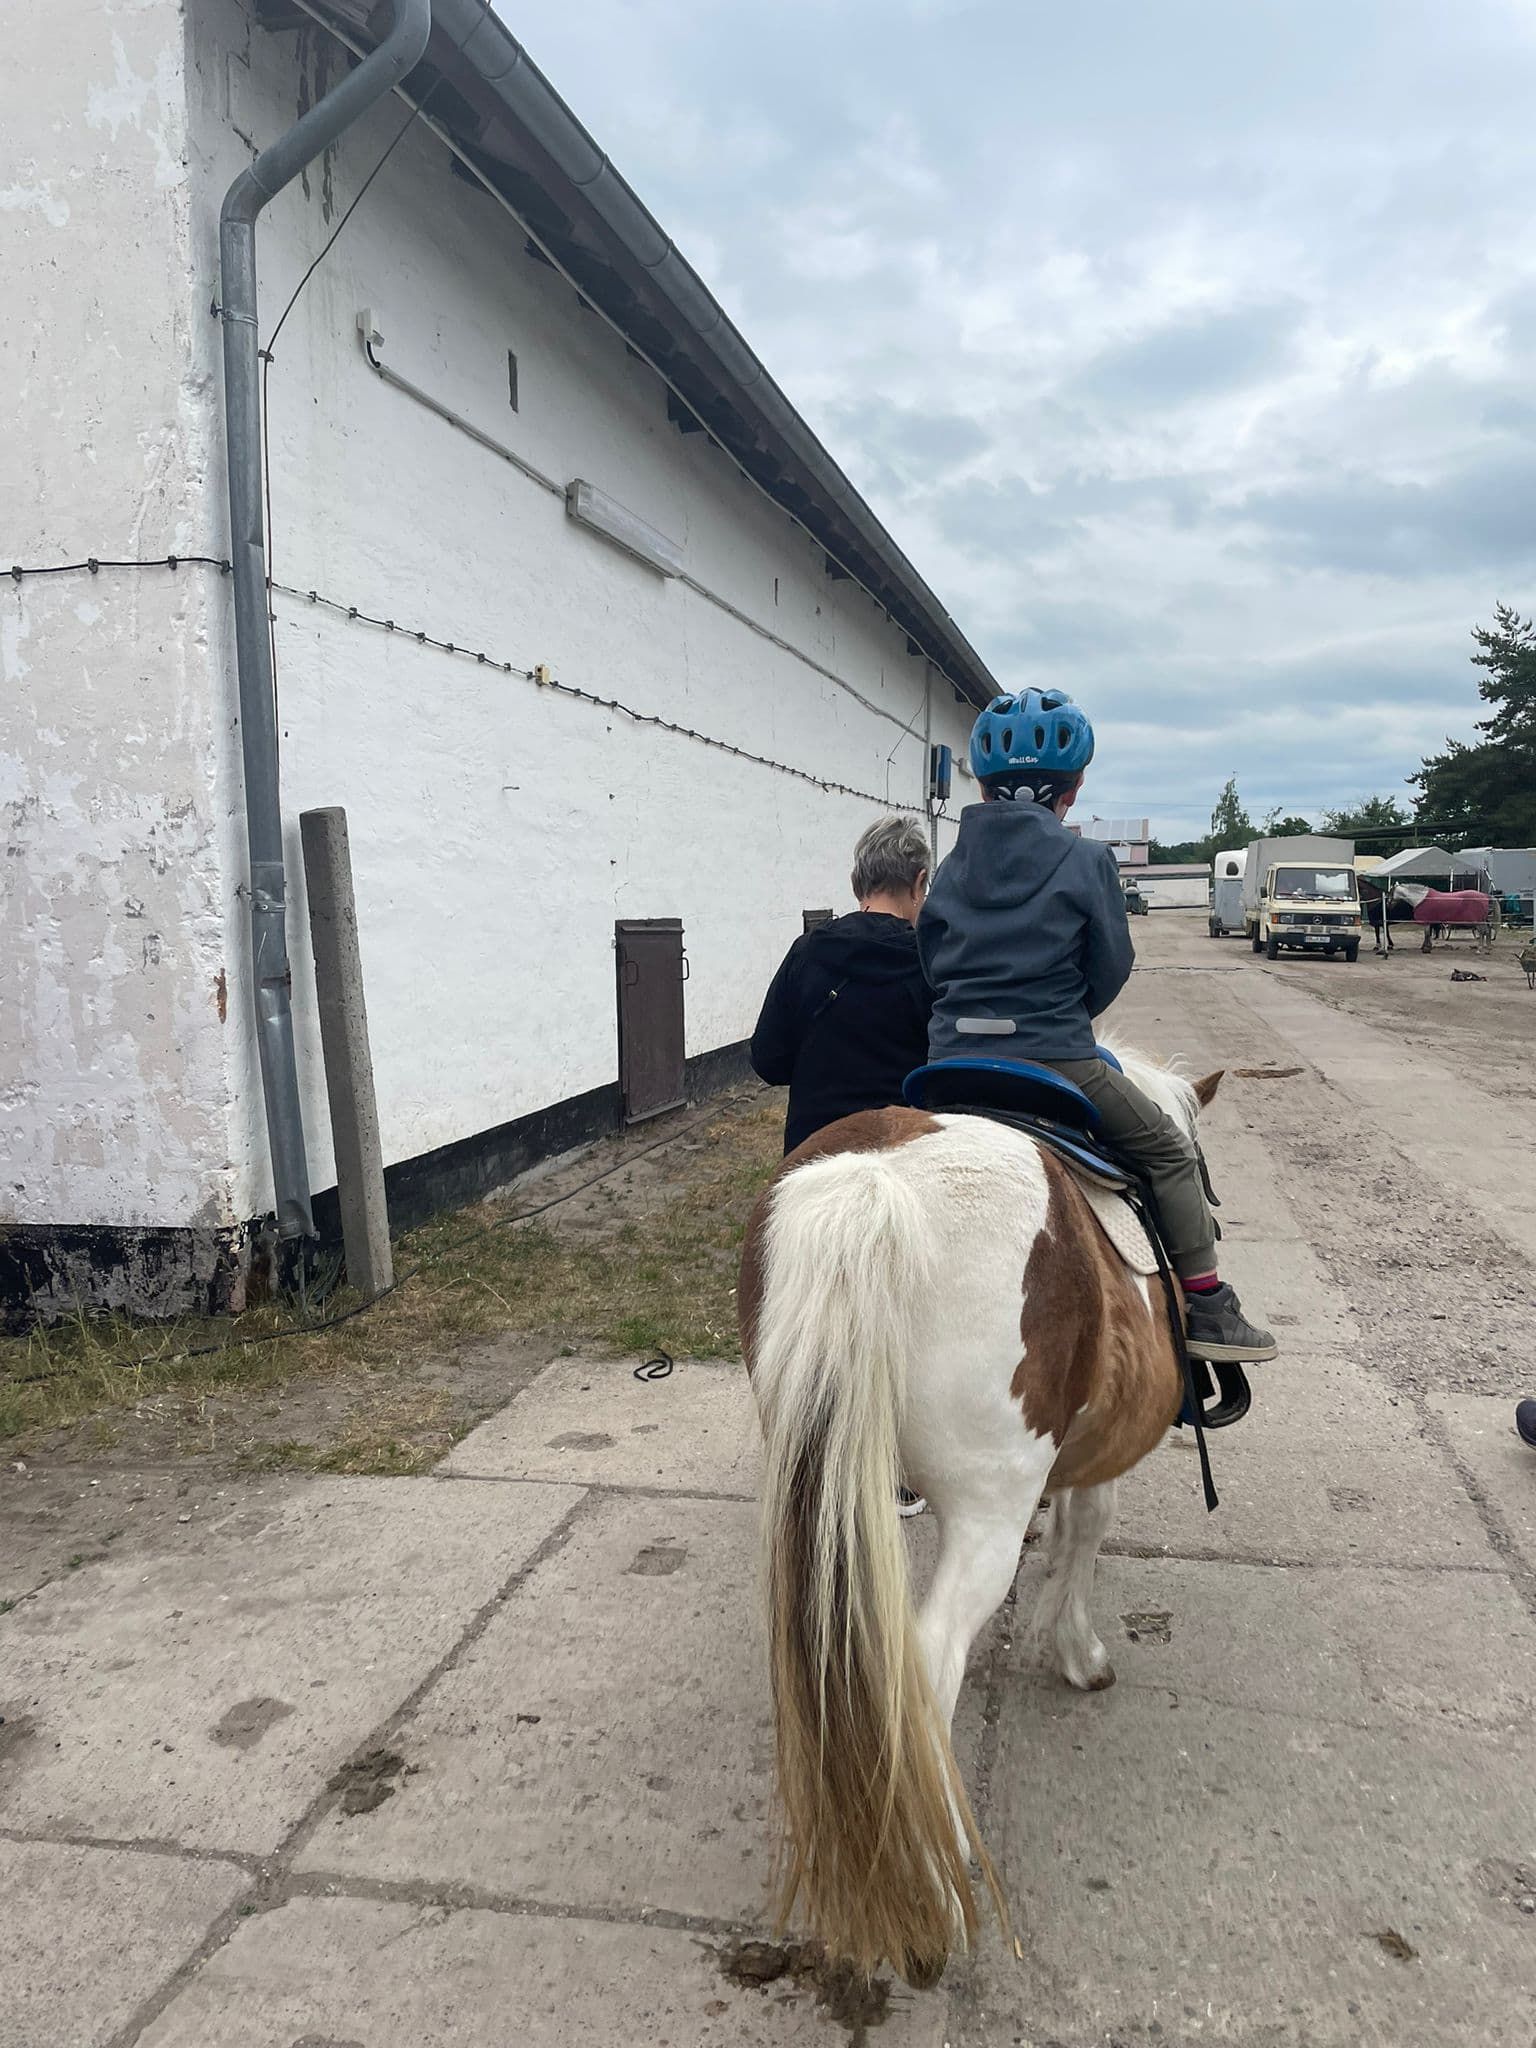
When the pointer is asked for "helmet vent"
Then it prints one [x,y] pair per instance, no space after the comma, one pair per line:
[1007,739]
[1039,737]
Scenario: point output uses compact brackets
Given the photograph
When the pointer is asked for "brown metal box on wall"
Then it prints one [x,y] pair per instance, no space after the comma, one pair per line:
[652,968]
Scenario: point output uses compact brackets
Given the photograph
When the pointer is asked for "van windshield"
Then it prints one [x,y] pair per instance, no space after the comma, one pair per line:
[1315,882]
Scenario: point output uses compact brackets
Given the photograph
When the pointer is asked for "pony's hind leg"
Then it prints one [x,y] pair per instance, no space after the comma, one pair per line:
[1080,1519]
[978,1557]
[984,1511]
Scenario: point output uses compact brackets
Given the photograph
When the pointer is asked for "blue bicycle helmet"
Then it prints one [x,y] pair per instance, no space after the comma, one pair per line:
[1038,730]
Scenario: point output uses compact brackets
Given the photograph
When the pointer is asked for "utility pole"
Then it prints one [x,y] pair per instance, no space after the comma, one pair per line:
[348,1062]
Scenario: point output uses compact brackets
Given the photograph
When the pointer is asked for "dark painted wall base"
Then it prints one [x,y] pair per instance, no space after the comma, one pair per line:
[470,1169]
[48,1271]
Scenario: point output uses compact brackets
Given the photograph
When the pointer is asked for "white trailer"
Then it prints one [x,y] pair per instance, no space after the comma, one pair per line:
[1300,894]
[1227,891]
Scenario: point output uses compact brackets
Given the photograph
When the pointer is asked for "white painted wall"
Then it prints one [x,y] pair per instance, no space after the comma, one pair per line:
[113,1100]
[1175,892]
[497,831]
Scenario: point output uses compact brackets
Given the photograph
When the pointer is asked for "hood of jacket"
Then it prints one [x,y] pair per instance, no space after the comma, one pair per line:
[1006,854]
[867,946]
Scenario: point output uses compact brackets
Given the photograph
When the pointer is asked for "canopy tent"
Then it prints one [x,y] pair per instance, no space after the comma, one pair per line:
[1417,864]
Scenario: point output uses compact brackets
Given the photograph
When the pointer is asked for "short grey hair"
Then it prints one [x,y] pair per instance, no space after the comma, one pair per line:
[889,857]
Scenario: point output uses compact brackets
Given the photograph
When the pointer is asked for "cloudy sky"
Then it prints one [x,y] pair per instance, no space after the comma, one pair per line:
[1188,346]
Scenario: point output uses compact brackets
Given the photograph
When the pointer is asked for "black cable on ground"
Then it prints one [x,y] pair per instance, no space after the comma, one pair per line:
[442,1252]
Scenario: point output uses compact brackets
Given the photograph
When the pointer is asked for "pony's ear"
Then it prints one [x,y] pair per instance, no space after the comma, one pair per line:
[1205,1091]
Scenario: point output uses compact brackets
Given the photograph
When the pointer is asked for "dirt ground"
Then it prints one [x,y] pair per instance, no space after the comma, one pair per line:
[1487,1028]
[1383,1128]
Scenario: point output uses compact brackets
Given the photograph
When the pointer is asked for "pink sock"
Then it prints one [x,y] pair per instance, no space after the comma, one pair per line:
[1201,1283]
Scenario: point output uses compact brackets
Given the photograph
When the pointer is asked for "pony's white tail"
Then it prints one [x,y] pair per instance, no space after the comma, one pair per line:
[873,1805]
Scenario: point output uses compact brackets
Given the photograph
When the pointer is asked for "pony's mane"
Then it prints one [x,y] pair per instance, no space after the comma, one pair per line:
[1164,1080]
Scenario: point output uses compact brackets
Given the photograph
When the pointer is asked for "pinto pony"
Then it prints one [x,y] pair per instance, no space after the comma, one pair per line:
[929,1298]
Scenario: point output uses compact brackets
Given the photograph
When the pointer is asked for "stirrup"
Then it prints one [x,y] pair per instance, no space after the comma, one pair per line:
[1222,1391]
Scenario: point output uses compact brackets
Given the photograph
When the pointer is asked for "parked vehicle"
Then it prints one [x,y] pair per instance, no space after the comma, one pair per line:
[1227,892]
[1301,894]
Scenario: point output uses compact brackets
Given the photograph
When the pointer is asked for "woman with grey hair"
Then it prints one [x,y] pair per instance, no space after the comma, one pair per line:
[846,1018]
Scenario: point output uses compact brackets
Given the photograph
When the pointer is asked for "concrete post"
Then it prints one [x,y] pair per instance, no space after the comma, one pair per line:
[344,1039]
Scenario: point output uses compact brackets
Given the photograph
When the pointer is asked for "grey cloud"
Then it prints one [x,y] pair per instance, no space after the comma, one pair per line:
[1011,519]
[1515,313]
[1063,634]
[969,241]
[1194,358]
[1005,522]
[904,443]
[1481,514]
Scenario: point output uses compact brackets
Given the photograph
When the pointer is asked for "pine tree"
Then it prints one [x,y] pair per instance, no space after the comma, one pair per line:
[1485,794]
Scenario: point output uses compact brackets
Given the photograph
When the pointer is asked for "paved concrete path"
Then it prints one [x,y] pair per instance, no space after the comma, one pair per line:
[483,1758]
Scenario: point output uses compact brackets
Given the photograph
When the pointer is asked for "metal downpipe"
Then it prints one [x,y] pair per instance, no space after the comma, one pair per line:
[377,75]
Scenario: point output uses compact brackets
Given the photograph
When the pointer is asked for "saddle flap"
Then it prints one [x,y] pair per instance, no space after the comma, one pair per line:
[1120,1224]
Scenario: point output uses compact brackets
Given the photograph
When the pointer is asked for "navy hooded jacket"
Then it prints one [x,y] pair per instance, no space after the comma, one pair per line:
[1025,931]
[845,1021]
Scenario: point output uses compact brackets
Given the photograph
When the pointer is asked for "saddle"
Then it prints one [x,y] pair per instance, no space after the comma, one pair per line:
[1053,1111]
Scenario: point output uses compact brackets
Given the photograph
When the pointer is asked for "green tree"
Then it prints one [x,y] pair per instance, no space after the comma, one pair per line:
[1379,823]
[1485,794]
[1230,823]
[1277,826]
[1181,853]
[1509,655]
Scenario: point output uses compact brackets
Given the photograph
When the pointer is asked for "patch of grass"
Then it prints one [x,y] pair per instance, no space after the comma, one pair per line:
[646,1262]
[6,1606]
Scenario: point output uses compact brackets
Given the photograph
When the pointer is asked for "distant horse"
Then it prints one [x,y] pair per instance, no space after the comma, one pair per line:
[929,1298]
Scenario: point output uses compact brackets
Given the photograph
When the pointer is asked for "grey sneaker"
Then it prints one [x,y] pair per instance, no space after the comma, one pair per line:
[1218,1330]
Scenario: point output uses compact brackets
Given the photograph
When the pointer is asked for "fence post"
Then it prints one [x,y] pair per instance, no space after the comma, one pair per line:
[344,1040]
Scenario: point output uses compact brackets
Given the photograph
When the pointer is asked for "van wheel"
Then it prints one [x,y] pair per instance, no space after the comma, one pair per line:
[1271,948]
[1258,943]
[1352,949]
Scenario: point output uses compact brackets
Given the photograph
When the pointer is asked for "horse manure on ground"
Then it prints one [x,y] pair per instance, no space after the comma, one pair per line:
[368,1780]
[841,1991]
[1148,1628]
[1267,1073]
[1393,1944]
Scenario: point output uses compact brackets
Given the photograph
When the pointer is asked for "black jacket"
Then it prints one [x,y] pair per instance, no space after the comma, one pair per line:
[1025,927]
[844,1021]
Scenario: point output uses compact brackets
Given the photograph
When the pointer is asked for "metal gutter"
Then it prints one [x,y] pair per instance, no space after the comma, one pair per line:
[274,168]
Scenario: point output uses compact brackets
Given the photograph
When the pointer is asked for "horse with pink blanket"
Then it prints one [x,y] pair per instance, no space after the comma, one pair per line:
[1440,910]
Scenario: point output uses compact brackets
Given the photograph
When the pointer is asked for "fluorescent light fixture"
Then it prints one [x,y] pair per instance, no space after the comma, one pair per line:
[590,507]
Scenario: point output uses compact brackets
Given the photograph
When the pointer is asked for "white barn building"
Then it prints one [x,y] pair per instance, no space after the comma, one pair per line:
[500,323]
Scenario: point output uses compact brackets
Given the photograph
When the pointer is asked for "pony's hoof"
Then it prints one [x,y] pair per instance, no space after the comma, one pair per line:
[1097,1675]
[923,1972]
